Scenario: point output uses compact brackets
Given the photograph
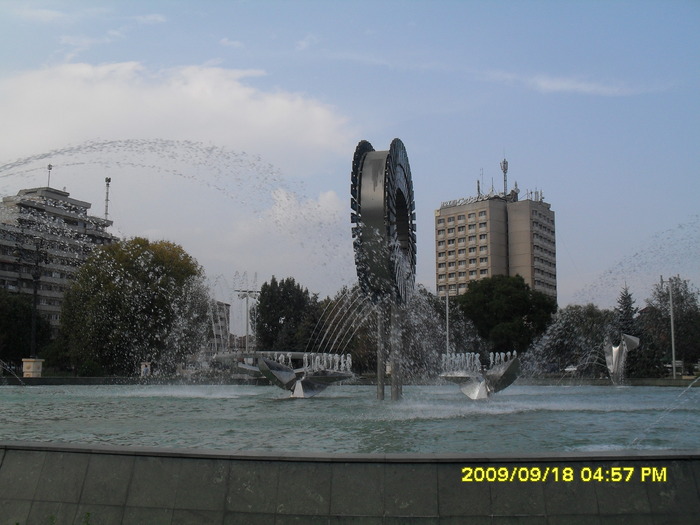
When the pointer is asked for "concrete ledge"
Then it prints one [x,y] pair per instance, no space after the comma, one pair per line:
[56,483]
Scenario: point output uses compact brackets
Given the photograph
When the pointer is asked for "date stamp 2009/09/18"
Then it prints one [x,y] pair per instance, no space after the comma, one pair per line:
[540,474]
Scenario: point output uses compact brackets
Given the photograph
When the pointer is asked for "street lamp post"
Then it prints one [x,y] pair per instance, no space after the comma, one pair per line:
[36,256]
[247,294]
[673,336]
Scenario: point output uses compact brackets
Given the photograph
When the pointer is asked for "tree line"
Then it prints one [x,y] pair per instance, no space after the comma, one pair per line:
[137,300]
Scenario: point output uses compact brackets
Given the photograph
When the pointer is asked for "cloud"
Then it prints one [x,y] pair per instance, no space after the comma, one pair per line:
[231,43]
[548,84]
[51,107]
[306,42]
[42,15]
[55,16]
[150,19]
[556,84]
[197,155]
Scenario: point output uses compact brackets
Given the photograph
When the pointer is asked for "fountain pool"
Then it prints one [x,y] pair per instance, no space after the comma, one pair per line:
[347,419]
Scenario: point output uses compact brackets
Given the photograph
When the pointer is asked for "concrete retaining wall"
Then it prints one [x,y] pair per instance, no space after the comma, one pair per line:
[71,484]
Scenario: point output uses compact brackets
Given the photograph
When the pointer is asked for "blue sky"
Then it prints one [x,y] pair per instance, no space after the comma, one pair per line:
[229,127]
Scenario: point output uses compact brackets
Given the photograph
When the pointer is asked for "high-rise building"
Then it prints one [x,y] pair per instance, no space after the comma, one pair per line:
[44,238]
[495,234]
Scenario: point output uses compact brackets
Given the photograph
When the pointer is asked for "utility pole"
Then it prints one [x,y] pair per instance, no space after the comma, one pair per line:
[107,181]
[447,320]
[673,336]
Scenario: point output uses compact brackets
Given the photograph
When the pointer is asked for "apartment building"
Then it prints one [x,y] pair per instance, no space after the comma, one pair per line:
[45,235]
[495,234]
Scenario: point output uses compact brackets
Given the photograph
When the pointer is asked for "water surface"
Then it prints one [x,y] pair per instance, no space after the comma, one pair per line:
[348,419]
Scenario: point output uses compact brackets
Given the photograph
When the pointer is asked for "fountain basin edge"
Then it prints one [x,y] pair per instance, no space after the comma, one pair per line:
[117,484]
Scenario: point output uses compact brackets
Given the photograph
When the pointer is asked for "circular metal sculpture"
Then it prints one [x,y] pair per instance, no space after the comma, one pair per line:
[384,218]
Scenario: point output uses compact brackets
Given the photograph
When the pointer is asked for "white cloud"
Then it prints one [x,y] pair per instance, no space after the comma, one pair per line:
[196,155]
[556,84]
[231,43]
[306,42]
[150,19]
[42,15]
[48,108]
[549,84]
[56,16]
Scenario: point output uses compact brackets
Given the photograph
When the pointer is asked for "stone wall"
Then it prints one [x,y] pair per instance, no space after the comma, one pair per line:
[72,484]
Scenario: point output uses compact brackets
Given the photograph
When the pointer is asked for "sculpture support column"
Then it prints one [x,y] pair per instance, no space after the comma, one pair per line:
[381,350]
[395,346]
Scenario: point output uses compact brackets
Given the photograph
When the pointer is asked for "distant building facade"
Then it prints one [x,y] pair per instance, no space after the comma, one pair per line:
[495,234]
[45,236]
[220,340]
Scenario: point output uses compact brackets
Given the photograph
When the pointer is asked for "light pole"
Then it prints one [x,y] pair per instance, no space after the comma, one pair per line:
[673,336]
[36,256]
[247,294]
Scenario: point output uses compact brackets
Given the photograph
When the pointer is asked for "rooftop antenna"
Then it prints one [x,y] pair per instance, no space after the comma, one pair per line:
[107,181]
[48,184]
[504,168]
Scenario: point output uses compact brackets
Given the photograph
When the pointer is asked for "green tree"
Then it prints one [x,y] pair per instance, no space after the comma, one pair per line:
[135,301]
[15,327]
[656,321]
[506,312]
[284,315]
[625,314]
[646,360]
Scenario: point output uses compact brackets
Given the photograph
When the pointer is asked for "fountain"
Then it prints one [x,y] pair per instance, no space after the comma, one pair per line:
[616,356]
[385,244]
[124,453]
[476,381]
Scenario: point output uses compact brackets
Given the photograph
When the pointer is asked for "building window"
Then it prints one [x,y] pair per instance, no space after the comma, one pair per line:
[482,237]
[483,260]
[441,221]
[483,249]
[461,229]
[441,232]
[482,213]
[450,231]
[441,243]
[450,220]
[472,216]
[460,217]
[483,272]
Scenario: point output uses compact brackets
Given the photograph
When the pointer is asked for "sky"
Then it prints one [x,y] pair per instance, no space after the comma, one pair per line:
[229,126]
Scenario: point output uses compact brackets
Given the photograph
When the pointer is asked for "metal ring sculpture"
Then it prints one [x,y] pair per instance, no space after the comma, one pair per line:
[384,218]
